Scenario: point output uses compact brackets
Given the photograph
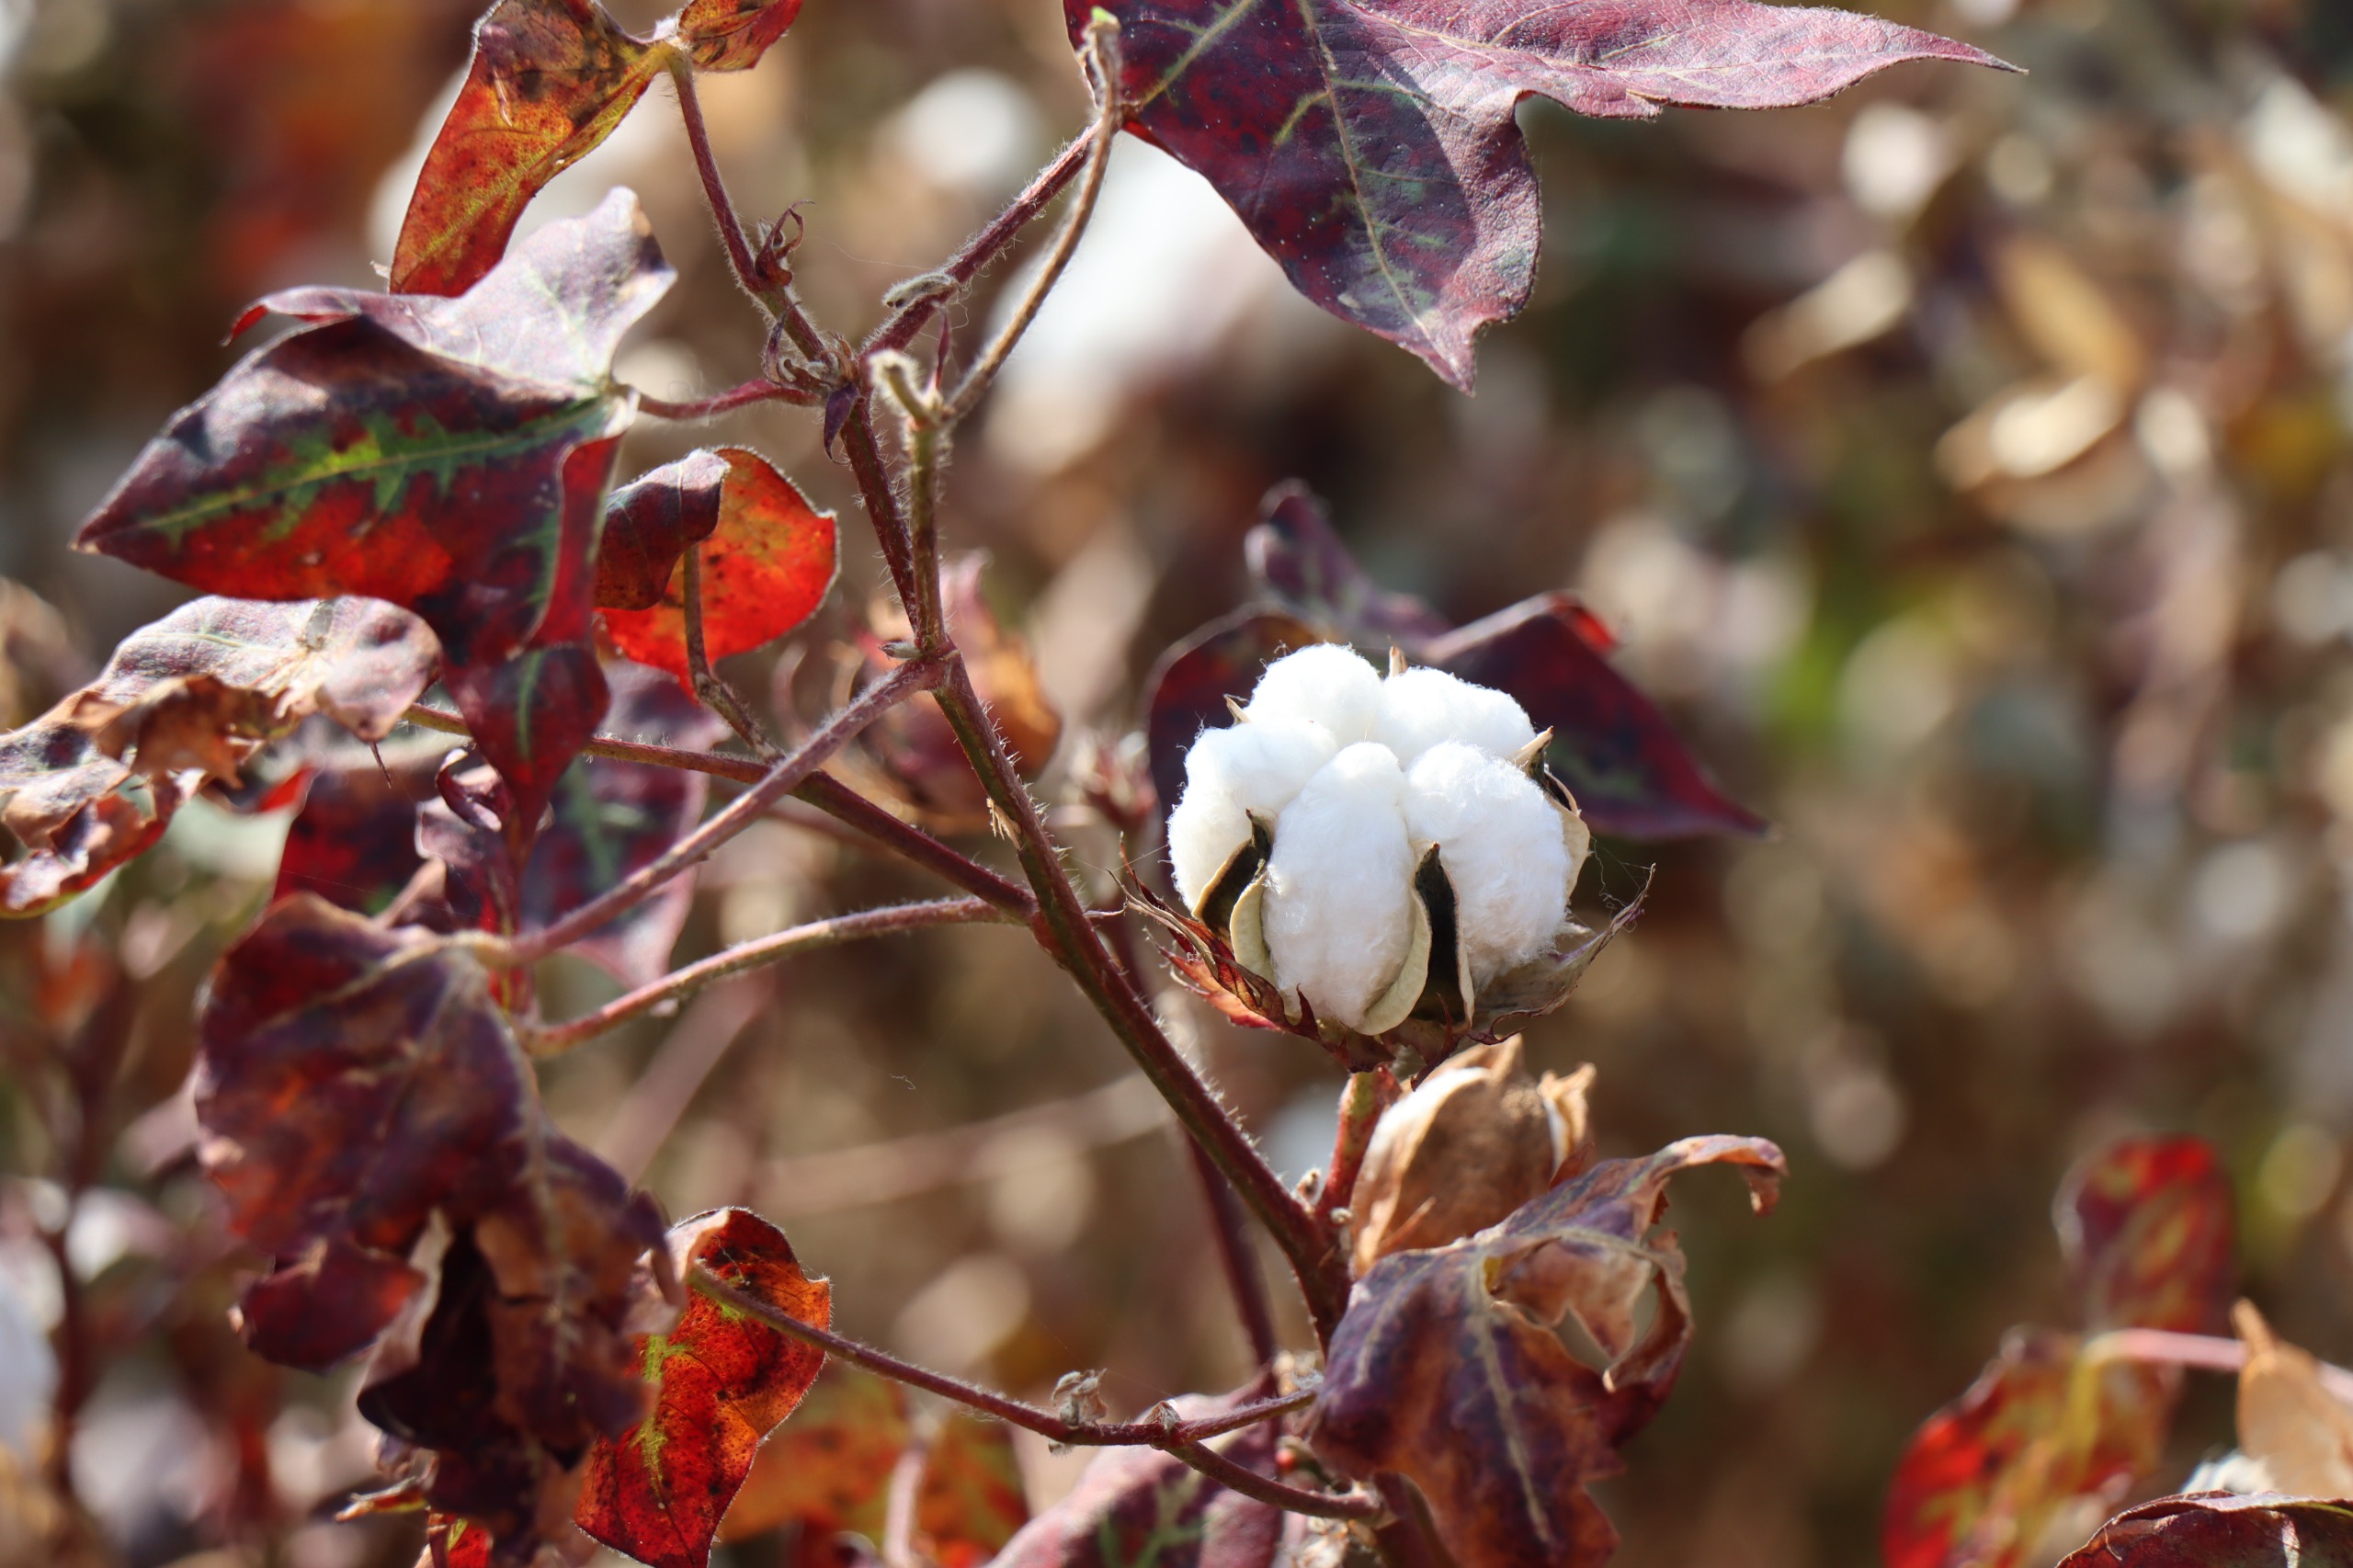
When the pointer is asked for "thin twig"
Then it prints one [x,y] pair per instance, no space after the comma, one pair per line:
[831,932]
[906,1491]
[1359,1113]
[902,328]
[916,675]
[716,694]
[743,396]
[1103,56]
[2207,1352]
[822,790]
[737,244]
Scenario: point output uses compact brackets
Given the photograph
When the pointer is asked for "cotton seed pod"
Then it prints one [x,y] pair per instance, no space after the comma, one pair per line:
[1474,1140]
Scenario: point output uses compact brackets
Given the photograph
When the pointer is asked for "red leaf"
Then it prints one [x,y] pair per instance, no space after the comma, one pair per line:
[2146,1226]
[1139,1506]
[1371,147]
[1296,555]
[353,842]
[658,1492]
[1445,1367]
[650,522]
[94,782]
[411,451]
[731,35]
[530,715]
[549,80]
[768,561]
[1630,771]
[2217,1530]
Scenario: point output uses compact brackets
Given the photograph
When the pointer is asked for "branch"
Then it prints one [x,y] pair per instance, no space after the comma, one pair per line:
[822,790]
[1103,62]
[916,675]
[831,932]
[983,248]
[1181,1440]
[1361,1107]
[744,396]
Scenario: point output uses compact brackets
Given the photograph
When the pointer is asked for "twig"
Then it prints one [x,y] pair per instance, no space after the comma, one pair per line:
[716,694]
[2207,1352]
[831,932]
[743,396]
[916,675]
[1103,59]
[714,187]
[904,327]
[637,1130]
[1180,1439]
[822,790]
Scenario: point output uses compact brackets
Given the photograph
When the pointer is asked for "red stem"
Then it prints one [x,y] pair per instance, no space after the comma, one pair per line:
[2207,1352]
[744,396]
[714,187]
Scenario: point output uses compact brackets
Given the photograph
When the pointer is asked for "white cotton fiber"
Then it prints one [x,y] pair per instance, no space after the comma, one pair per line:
[1421,707]
[1337,922]
[1230,773]
[1502,844]
[1326,682]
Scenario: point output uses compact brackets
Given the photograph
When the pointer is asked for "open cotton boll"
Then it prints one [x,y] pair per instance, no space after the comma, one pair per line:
[1337,922]
[1326,682]
[1421,707]
[1258,766]
[1503,847]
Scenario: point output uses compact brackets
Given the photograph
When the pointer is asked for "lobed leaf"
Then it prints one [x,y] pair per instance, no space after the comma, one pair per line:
[659,1490]
[416,451]
[353,842]
[1447,1370]
[2145,1224]
[768,558]
[1370,146]
[2217,1530]
[187,701]
[549,80]
[731,35]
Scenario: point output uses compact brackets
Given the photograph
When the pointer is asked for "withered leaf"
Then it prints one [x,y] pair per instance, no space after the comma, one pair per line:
[2216,1531]
[1447,1370]
[2288,1420]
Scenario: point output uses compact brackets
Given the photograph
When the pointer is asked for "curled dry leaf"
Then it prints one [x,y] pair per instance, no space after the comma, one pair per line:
[186,700]
[1476,1139]
[1371,148]
[827,1472]
[658,1491]
[1446,1368]
[768,558]
[2048,1439]
[731,35]
[2217,1530]
[362,454]
[2288,1421]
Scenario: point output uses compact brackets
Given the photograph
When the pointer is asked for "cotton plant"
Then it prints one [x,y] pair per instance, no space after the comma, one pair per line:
[1378,847]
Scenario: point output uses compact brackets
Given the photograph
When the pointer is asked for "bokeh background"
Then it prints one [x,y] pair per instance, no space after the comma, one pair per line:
[1965,464]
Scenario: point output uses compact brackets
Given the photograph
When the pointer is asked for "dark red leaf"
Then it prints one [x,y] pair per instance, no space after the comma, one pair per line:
[1295,555]
[1187,690]
[94,781]
[1135,1505]
[731,35]
[416,451]
[2215,1529]
[768,564]
[530,714]
[549,80]
[1630,771]
[1447,1368]
[1372,149]
[2146,1227]
[354,841]
[659,1490]
[650,522]
[612,817]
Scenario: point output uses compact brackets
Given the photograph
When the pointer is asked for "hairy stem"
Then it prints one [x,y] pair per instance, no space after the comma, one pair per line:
[743,396]
[716,694]
[817,934]
[1359,1113]
[1103,59]
[714,188]
[822,790]
[2207,1352]
[916,675]
[1180,1439]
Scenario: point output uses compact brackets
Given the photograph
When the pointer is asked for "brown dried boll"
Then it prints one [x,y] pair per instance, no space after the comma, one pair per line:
[1475,1140]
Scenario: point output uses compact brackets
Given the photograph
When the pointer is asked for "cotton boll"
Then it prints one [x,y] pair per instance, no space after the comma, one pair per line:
[1252,768]
[1501,842]
[1421,707]
[1326,682]
[1336,917]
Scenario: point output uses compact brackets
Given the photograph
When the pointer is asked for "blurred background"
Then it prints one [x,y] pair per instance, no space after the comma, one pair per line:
[1965,464]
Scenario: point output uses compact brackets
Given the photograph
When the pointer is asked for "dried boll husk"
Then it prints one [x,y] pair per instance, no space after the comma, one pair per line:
[1476,1139]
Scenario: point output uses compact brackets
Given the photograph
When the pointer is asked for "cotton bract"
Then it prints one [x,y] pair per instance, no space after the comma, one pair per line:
[1376,846]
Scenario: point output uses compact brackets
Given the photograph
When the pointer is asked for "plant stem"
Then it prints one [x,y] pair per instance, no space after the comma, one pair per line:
[1103,55]
[737,244]
[865,451]
[716,694]
[902,328]
[916,675]
[830,933]
[743,396]
[822,791]
[906,1491]
[1359,1113]
[2207,1352]
[1180,1439]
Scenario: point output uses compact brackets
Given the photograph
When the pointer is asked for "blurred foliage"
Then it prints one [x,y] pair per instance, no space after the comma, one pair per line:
[1965,463]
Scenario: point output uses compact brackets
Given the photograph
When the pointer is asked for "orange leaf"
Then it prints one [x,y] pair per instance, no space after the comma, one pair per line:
[731,35]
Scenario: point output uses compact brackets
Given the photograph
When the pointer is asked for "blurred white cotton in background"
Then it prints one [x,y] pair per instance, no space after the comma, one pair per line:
[28,1373]
[974,132]
[1894,159]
